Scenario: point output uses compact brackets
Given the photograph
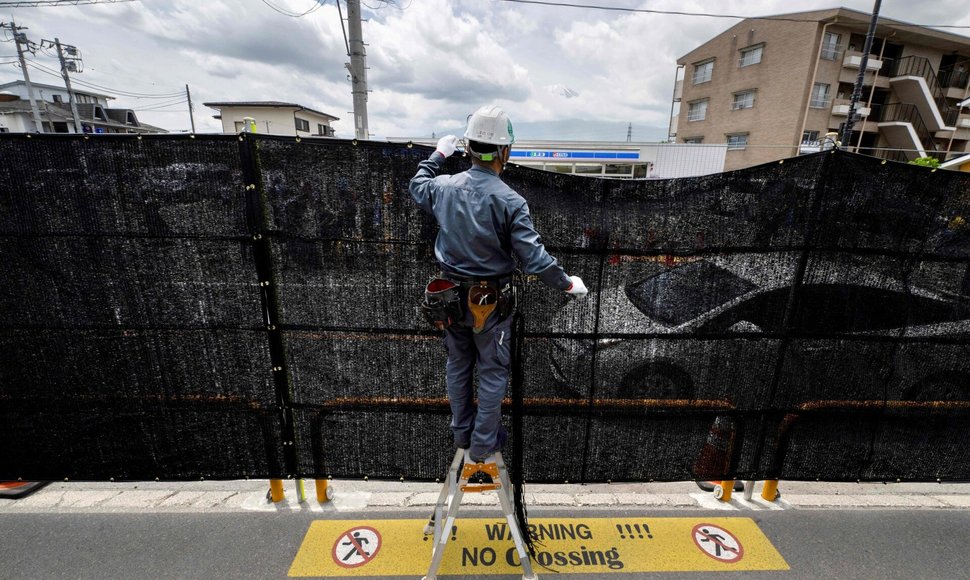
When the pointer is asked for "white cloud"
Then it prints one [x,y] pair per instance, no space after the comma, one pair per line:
[430,64]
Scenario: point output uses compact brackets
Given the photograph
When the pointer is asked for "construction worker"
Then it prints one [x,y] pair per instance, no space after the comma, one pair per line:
[484,227]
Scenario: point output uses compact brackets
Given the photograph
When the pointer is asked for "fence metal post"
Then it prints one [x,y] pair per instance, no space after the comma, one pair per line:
[257,218]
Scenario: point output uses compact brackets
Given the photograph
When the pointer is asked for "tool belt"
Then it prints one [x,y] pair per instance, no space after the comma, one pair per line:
[444,299]
[442,303]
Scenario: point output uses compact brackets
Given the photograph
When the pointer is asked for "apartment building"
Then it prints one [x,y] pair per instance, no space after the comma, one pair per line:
[773,87]
[274,118]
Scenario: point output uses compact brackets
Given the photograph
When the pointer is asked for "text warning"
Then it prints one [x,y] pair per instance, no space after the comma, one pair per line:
[566,545]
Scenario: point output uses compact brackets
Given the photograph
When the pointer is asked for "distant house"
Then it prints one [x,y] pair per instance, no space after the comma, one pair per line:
[274,118]
[53,104]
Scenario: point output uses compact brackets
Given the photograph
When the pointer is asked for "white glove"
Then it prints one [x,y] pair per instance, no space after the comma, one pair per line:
[447,145]
[577,289]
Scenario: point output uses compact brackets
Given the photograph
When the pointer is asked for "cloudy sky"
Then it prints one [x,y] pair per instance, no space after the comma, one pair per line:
[576,73]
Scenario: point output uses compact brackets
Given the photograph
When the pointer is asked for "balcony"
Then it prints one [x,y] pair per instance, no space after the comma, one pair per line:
[854,60]
[841,108]
[954,80]
[903,126]
[914,81]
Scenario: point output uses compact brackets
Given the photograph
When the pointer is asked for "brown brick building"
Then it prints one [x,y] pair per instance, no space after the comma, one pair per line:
[773,87]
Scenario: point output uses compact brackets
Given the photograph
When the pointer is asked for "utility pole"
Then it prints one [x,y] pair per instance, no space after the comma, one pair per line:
[857,91]
[358,69]
[629,133]
[69,66]
[188,96]
[20,39]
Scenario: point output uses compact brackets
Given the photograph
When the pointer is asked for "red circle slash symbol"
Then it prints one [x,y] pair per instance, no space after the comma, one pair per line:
[717,543]
[356,547]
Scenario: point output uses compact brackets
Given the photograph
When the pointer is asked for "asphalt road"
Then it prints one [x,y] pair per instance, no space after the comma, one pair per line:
[843,544]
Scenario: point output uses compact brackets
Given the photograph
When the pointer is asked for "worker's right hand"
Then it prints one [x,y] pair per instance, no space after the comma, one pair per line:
[577,288]
[447,145]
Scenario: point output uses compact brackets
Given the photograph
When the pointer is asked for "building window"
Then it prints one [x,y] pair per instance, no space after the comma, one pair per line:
[302,125]
[558,167]
[697,111]
[703,71]
[743,100]
[830,46]
[618,169]
[751,55]
[58,99]
[693,140]
[820,96]
[810,138]
[739,141]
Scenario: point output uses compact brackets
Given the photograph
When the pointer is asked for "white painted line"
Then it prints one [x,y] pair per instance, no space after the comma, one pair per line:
[738,503]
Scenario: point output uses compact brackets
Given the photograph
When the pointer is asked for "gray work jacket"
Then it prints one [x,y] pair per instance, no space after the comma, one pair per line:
[482,223]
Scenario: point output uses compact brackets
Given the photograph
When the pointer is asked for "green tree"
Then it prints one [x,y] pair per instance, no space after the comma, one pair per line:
[926,162]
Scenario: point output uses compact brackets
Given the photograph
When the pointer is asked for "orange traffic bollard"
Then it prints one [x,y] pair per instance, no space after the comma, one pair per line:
[770,491]
[323,490]
[726,488]
[276,490]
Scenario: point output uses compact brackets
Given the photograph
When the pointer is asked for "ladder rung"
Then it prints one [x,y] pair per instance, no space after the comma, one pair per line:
[470,469]
[480,487]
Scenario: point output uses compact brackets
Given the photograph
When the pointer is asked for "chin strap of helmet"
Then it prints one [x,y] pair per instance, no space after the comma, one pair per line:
[486,157]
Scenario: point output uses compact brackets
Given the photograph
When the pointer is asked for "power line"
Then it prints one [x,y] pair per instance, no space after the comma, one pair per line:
[342,27]
[386,3]
[316,6]
[168,103]
[704,14]
[40,3]
[162,107]
[118,92]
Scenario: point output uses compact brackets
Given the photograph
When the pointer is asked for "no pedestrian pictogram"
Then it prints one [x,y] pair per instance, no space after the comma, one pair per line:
[717,543]
[356,547]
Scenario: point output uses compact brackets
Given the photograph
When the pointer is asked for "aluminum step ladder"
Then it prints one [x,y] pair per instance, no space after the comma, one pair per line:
[456,485]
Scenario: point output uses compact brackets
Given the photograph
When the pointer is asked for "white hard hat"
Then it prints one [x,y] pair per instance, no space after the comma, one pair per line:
[490,125]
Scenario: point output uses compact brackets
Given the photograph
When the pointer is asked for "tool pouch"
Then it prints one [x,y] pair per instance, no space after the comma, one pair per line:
[482,301]
[442,303]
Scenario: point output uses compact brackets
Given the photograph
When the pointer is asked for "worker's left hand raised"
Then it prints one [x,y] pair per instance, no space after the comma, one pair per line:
[447,145]
[577,288]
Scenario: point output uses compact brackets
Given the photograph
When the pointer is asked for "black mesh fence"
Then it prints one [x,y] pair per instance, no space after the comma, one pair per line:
[245,306]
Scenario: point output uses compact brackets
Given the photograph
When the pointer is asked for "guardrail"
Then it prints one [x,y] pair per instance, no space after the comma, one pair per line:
[909,113]
[921,67]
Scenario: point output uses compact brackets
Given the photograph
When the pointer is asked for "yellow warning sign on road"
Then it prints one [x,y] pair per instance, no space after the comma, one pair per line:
[567,545]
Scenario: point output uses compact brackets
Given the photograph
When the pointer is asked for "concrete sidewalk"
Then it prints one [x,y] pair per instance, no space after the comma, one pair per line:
[250,495]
